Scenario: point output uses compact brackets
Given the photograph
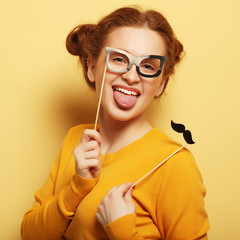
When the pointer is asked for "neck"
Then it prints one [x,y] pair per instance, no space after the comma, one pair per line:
[118,134]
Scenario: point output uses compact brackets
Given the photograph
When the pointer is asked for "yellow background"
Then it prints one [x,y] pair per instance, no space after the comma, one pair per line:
[42,94]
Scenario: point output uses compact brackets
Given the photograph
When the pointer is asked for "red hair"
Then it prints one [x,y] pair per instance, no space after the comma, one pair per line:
[88,39]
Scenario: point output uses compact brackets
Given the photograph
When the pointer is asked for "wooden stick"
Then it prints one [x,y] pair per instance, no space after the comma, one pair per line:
[100,98]
[158,165]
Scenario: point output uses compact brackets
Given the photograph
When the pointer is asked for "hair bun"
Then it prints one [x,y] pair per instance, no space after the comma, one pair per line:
[76,39]
[179,52]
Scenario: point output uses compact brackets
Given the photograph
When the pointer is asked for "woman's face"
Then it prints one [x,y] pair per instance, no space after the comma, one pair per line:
[127,95]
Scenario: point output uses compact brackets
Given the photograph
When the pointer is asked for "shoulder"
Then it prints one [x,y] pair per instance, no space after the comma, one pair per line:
[157,137]
[182,175]
[159,144]
[154,148]
[181,165]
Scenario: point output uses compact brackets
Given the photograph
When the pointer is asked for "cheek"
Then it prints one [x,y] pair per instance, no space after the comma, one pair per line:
[107,85]
[152,88]
[99,80]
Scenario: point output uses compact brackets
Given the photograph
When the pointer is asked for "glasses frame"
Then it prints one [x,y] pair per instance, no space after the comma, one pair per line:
[134,60]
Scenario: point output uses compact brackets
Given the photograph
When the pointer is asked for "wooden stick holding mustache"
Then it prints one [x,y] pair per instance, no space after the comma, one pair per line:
[161,163]
[180,128]
[100,97]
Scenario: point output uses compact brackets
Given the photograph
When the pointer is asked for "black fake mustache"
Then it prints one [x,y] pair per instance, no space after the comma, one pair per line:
[180,128]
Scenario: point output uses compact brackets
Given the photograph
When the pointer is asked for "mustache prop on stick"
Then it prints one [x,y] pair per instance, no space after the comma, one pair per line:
[180,128]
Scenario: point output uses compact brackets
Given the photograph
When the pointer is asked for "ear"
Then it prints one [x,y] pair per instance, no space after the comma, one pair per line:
[91,69]
[162,86]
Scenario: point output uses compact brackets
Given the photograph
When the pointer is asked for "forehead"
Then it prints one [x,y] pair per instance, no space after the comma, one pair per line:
[137,41]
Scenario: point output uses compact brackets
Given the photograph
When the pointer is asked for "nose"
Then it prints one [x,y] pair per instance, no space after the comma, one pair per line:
[131,76]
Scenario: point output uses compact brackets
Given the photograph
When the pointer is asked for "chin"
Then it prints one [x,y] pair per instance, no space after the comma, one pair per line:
[122,115]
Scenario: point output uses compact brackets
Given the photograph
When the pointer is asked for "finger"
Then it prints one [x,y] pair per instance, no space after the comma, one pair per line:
[92,145]
[91,154]
[89,134]
[85,136]
[93,163]
[123,188]
[128,195]
[86,147]
[103,218]
[101,212]
[100,219]
[111,190]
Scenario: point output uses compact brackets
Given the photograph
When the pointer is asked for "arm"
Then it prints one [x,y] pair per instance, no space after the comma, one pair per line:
[51,213]
[180,207]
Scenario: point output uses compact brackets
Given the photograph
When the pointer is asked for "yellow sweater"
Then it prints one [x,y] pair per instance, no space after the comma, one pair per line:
[169,202]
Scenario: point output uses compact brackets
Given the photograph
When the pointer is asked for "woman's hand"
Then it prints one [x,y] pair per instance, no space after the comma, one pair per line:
[87,155]
[117,203]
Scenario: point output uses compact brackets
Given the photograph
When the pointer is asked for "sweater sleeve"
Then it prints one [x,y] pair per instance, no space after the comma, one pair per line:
[123,228]
[180,209]
[51,213]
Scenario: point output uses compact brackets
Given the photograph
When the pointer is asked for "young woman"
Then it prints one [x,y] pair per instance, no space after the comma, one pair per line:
[88,194]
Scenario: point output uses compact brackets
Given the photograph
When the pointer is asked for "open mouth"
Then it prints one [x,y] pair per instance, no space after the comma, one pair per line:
[125,97]
[127,92]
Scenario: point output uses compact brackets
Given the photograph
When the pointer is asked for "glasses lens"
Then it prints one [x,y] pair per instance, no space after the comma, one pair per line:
[149,66]
[118,61]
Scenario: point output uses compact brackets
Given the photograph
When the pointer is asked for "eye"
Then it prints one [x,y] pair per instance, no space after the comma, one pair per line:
[147,66]
[119,59]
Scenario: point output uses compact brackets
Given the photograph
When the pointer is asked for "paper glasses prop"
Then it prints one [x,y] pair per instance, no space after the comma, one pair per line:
[120,61]
[180,128]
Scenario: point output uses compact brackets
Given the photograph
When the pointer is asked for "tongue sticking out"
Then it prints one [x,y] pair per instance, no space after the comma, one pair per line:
[124,100]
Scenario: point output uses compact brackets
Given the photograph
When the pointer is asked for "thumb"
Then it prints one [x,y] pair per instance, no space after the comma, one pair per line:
[85,137]
[123,188]
[89,135]
[126,190]
[128,195]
